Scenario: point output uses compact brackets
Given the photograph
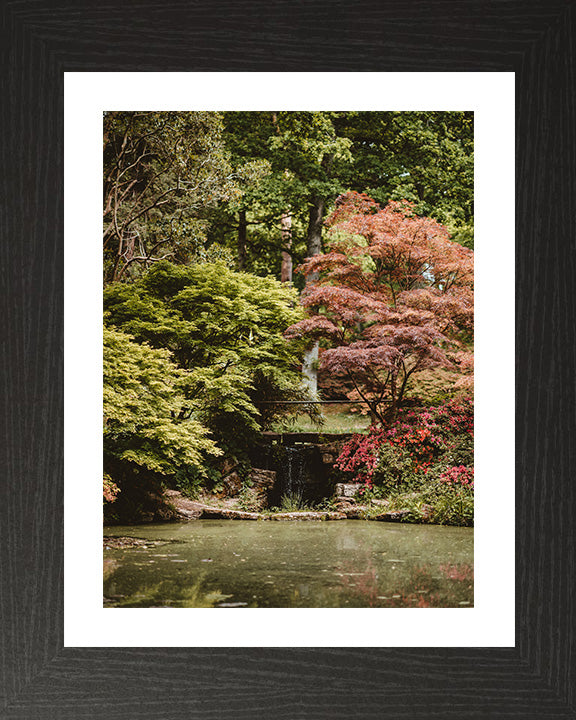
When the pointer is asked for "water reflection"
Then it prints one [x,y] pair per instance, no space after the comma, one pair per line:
[273,564]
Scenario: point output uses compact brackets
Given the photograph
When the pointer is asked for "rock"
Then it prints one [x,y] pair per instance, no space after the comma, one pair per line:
[311,515]
[225,514]
[355,512]
[264,479]
[332,448]
[427,511]
[172,493]
[395,516]
[330,451]
[231,485]
[227,465]
[261,481]
[254,492]
[184,508]
[315,438]
[347,489]
[344,501]
[380,503]
[189,514]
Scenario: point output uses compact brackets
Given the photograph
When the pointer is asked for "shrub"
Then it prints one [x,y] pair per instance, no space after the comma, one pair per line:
[432,444]
[394,470]
[145,442]
[437,503]
[458,475]
[360,456]
[225,331]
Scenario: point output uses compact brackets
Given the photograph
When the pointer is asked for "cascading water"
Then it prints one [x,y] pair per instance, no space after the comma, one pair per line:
[301,476]
[291,478]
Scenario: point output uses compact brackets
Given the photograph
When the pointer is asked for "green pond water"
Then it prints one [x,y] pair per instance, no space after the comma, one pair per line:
[235,563]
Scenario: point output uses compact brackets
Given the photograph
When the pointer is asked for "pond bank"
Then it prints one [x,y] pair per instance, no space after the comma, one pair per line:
[217,509]
[293,477]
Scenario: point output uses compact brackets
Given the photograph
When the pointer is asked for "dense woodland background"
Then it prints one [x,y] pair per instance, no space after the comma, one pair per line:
[40,678]
[257,186]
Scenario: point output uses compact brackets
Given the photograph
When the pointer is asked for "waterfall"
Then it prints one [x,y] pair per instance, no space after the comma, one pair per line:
[301,475]
[299,471]
[291,477]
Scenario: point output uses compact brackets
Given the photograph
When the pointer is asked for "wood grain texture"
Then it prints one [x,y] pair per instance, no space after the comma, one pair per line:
[40,679]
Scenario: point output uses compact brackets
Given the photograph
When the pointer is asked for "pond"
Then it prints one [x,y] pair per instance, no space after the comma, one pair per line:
[235,563]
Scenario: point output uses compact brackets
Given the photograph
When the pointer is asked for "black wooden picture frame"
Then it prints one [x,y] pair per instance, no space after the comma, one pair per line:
[39,678]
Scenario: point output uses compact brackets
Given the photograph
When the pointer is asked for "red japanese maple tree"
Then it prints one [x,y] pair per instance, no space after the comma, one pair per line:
[393,296]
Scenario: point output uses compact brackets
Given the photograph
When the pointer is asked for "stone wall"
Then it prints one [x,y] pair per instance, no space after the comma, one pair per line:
[273,457]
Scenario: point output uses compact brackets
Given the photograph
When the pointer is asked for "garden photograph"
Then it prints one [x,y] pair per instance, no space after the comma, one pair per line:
[288,359]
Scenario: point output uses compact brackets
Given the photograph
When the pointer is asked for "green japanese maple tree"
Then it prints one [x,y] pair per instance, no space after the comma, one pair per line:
[143,430]
[225,330]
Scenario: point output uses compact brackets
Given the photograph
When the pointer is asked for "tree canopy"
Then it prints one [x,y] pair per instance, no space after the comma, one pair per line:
[162,171]
[394,294]
[225,330]
[143,394]
[305,160]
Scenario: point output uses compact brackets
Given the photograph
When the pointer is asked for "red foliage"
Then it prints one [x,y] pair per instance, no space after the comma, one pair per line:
[393,296]
[458,475]
[424,435]
[360,456]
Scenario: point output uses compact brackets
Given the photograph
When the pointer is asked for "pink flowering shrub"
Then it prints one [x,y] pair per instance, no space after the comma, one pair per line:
[360,456]
[458,475]
[433,443]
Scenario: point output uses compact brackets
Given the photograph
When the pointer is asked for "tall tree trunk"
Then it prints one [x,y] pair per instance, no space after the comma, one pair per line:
[315,222]
[286,232]
[310,369]
[242,241]
[317,209]
[314,245]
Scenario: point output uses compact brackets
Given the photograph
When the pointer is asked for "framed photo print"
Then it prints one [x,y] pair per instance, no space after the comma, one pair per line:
[297,288]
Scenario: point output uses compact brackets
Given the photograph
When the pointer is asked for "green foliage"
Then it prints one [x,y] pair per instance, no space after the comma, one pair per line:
[142,399]
[289,160]
[225,330]
[395,469]
[162,172]
[176,183]
[435,386]
[436,503]
[282,160]
[425,157]
[292,503]
[460,452]
[328,419]
[193,346]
